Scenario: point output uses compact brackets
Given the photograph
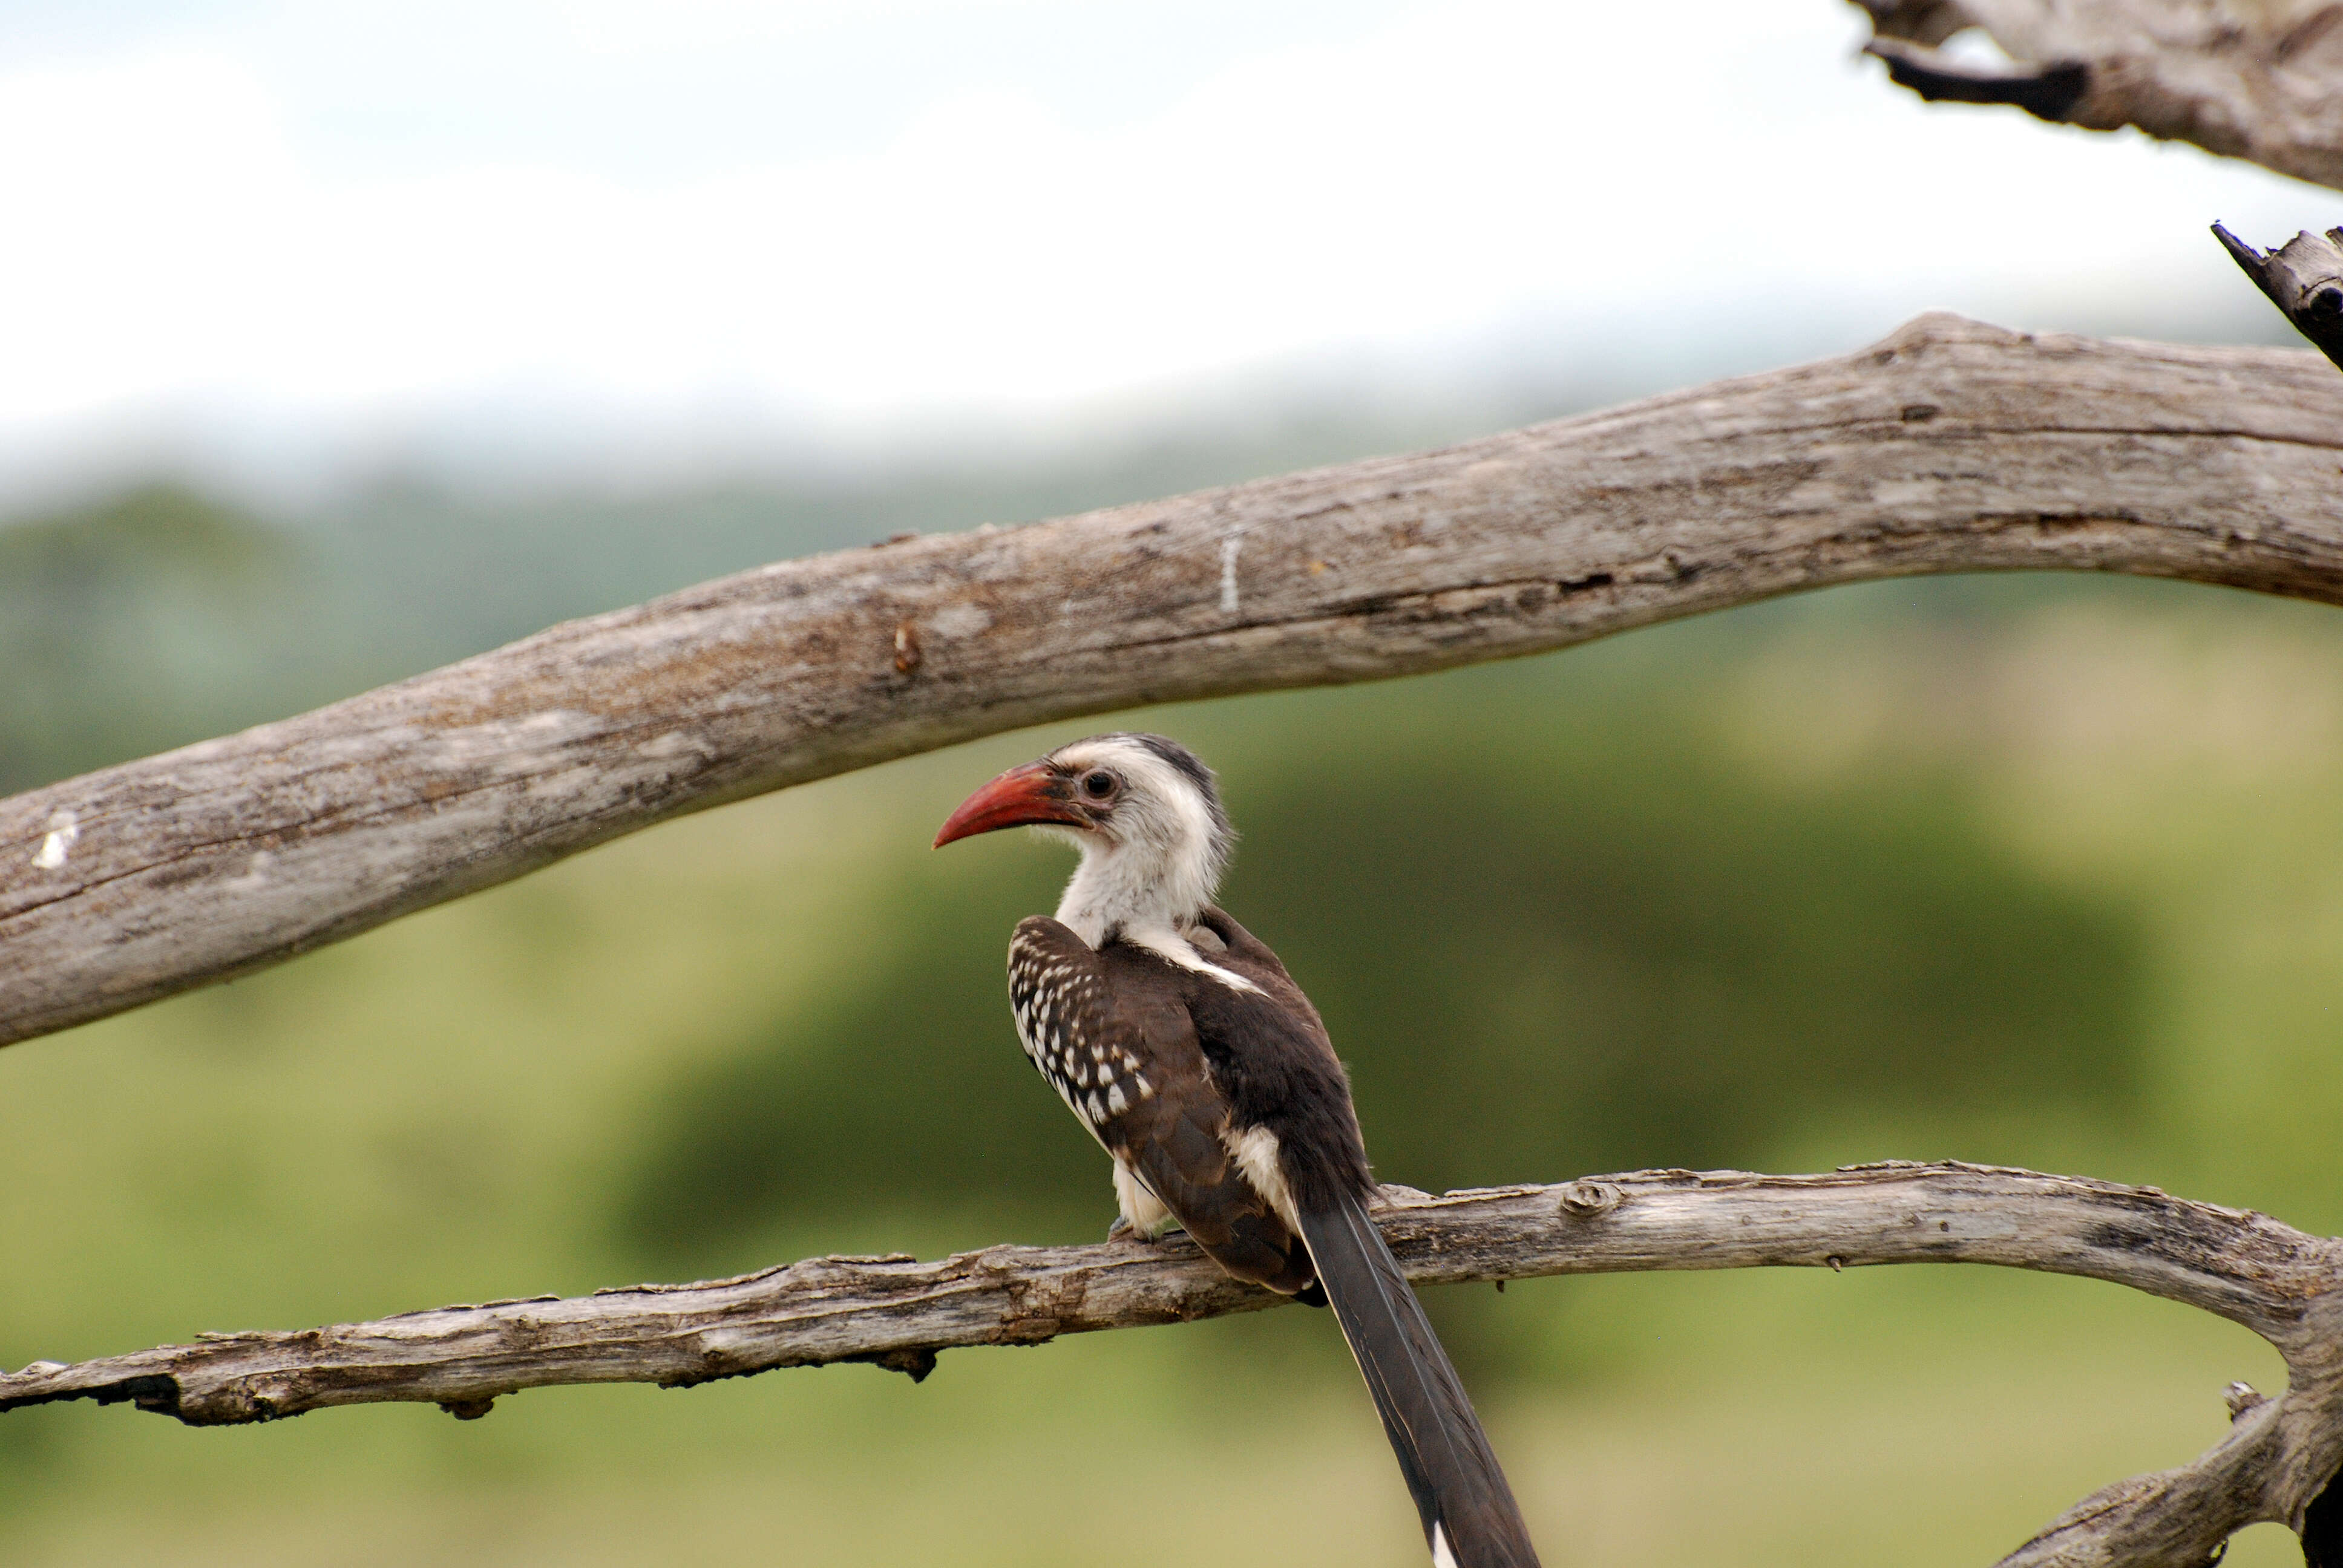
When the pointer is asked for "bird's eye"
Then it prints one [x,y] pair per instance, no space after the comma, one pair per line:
[1098,784]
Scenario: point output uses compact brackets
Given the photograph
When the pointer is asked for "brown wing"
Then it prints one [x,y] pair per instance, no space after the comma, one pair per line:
[1268,1051]
[1111,1033]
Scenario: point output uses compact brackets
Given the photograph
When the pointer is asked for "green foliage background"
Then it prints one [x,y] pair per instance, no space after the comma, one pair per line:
[2036,872]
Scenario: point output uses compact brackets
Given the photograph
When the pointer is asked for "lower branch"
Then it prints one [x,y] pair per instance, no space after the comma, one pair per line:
[898,1312]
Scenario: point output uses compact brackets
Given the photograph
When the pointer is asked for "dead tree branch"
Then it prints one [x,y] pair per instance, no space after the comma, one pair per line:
[898,1312]
[2263,83]
[1949,447]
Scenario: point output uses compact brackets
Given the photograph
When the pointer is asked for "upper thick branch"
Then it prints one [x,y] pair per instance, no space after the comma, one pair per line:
[899,1313]
[2262,83]
[1951,446]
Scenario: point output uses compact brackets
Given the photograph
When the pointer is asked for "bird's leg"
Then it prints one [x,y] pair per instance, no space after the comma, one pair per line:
[1141,1215]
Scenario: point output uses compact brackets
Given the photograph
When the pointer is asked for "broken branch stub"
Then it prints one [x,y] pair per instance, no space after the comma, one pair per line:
[2274,1463]
[2304,278]
[1951,446]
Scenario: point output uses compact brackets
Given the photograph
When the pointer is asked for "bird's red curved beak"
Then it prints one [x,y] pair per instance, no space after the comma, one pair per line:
[1033,793]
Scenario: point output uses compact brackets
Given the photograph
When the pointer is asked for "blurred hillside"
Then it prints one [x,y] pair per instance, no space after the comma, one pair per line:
[2026,871]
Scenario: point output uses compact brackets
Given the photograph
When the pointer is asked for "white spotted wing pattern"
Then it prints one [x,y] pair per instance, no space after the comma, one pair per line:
[1063,1011]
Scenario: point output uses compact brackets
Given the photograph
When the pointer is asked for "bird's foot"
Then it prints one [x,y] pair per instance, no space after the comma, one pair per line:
[1123,1230]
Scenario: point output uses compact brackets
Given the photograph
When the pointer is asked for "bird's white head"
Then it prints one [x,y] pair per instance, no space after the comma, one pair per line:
[1143,810]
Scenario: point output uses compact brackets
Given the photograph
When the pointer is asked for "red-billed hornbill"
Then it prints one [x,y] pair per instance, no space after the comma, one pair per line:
[1181,1043]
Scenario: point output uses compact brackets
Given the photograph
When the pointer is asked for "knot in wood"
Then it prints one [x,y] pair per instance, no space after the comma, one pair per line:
[2241,1397]
[252,1400]
[1585,1200]
[1038,1309]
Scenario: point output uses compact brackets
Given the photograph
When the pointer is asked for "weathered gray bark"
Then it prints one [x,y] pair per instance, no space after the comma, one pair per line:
[2262,82]
[898,1312]
[1950,446]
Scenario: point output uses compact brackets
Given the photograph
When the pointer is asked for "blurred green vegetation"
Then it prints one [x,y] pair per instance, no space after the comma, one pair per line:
[2031,871]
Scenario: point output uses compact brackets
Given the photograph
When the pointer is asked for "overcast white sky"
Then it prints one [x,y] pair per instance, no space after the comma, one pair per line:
[277,230]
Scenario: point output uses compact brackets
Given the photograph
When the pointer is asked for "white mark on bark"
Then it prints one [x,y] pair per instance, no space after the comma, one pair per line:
[1231,542]
[673,743]
[961,620]
[63,829]
[255,872]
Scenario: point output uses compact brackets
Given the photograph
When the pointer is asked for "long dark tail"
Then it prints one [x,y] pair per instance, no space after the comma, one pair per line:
[1469,1512]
